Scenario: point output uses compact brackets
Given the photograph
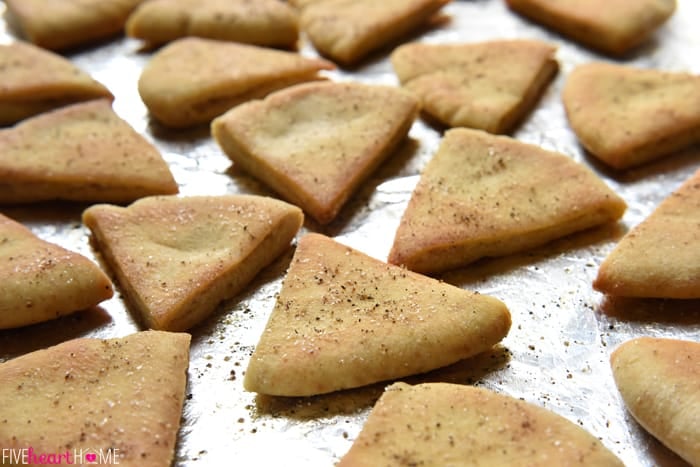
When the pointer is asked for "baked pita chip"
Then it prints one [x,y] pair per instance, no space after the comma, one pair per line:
[40,281]
[117,397]
[58,25]
[488,85]
[35,80]
[611,27]
[484,195]
[315,143]
[192,80]
[176,258]
[661,256]
[439,424]
[269,23]
[348,30]
[302,3]
[628,116]
[83,152]
[659,380]
[344,320]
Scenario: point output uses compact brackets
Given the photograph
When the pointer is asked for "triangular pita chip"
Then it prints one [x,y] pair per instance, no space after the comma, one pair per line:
[315,143]
[612,27]
[269,23]
[344,320]
[659,380]
[40,281]
[35,80]
[118,399]
[192,80]
[627,116]
[485,195]
[58,25]
[83,152]
[488,85]
[440,424]
[177,258]
[347,30]
[661,256]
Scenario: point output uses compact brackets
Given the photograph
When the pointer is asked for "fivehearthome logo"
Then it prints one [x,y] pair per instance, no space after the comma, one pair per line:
[30,456]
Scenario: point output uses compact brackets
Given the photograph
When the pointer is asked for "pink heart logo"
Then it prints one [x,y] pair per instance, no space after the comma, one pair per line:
[91,457]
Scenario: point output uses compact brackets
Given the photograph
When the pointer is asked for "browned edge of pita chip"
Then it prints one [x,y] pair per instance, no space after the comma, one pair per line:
[441,424]
[660,257]
[344,320]
[485,195]
[267,23]
[40,280]
[196,296]
[659,380]
[120,398]
[235,133]
[420,69]
[192,80]
[348,44]
[62,25]
[592,31]
[35,80]
[627,116]
[82,152]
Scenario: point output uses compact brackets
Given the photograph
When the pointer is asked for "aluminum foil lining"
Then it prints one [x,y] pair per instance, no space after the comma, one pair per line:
[557,353]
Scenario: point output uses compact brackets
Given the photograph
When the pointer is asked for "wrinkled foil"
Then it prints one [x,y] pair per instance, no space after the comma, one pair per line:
[557,352]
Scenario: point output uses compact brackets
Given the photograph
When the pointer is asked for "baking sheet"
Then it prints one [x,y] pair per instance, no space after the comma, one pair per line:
[557,352]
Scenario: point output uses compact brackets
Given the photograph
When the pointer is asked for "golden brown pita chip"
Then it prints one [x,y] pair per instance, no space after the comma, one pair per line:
[315,143]
[83,152]
[440,424]
[628,116]
[487,85]
[661,256]
[40,281]
[60,24]
[302,3]
[34,80]
[485,195]
[192,80]
[613,27]
[347,30]
[269,23]
[344,320]
[659,380]
[176,258]
[119,399]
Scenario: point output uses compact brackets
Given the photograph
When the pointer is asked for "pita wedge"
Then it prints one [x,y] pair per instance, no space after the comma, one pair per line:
[315,143]
[40,281]
[344,320]
[628,116]
[36,80]
[177,258]
[439,424]
[269,23]
[659,380]
[83,152]
[59,25]
[611,27]
[192,80]
[661,256]
[484,195]
[488,85]
[346,31]
[119,399]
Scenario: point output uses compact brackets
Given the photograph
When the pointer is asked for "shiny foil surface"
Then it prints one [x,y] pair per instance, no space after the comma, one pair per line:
[557,352]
